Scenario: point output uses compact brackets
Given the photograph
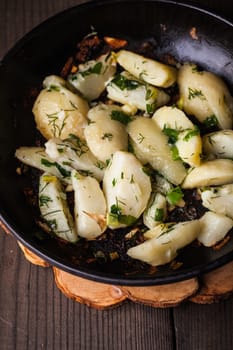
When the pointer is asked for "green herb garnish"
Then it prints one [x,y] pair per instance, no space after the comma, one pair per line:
[124,83]
[115,217]
[63,171]
[175,195]
[175,153]
[171,133]
[159,214]
[96,69]
[193,93]
[120,117]
[191,133]
[44,200]
[53,88]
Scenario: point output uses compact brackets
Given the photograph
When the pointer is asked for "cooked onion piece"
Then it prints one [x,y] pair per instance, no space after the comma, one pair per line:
[90,206]
[54,209]
[214,228]
[218,144]
[37,157]
[151,146]
[156,211]
[127,189]
[91,76]
[58,111]
[128,90]
[74,152]
[210,173]
[162,249]
[105,134]
[206,96]
[218,199]
[148,70]
[183,133]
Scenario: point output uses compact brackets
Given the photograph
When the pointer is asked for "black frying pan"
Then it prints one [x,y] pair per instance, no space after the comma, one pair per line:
[44,51]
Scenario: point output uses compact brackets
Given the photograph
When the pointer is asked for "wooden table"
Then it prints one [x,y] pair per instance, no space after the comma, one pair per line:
[34,314]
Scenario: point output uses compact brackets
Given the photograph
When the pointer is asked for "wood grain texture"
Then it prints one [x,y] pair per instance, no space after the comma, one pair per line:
[34,314]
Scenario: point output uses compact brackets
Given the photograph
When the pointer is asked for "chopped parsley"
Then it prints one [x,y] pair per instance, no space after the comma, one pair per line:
[150,107]
[53,88]
[159,214]
[63,171]
[175,195]
[171,133]
[191,133]
[175,153]
[96,69]
[120,117]
[115,217]
[125,84]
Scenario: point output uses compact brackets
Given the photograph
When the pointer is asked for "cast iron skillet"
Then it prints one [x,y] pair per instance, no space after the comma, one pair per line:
[44,51]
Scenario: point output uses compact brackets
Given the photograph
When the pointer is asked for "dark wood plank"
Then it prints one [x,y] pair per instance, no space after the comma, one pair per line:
[204,327]
[33,312]
[35,315]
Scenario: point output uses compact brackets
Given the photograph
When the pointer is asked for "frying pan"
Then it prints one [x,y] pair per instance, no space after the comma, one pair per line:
[44,51]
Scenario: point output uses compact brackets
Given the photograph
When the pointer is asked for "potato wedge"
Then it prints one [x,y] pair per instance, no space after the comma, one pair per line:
[89,206]
[210,173]
[91,76]
[206,96]
[54,208]
[186,135]
[105,134]
[173,118]
[127,189]
[148,70]
[156,211]
[126,89]
[218,144]
[59,112]
[189,146]
[163,249]
[151,146]
[219,199]
[37,157]
[214,228]
[74,153]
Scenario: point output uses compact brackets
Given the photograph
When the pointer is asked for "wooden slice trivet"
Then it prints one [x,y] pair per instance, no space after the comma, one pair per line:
[33,258]
[210,287]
